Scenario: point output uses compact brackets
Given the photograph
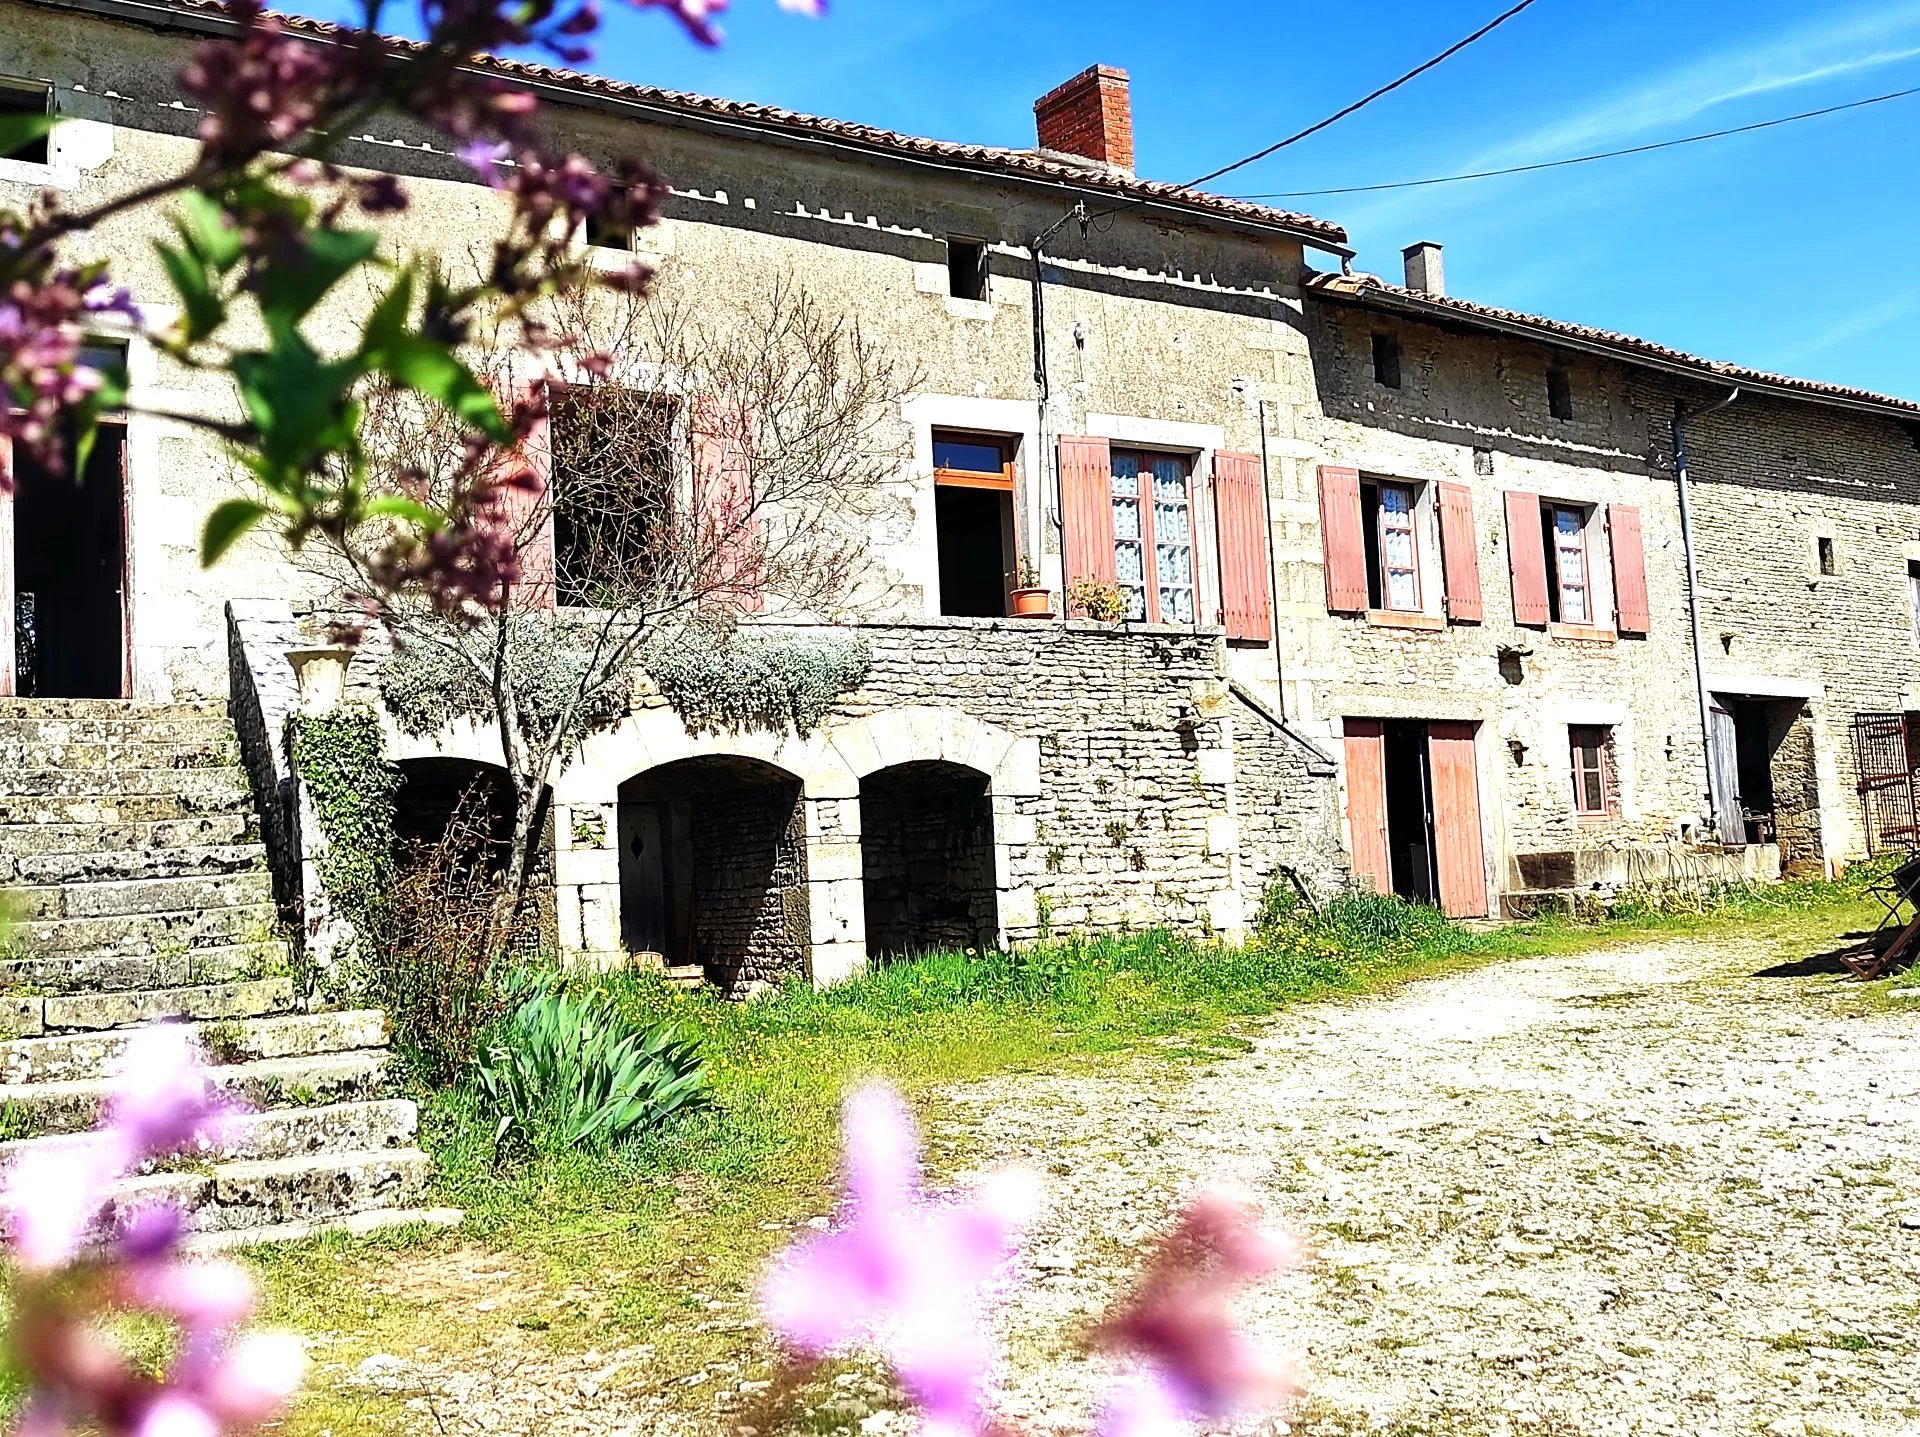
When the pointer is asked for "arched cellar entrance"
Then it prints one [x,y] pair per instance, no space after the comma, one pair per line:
[453,834]
[713,869]
[926,844]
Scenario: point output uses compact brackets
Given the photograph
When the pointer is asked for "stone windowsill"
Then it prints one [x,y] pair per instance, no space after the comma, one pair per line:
[1583,633]
[1405,619]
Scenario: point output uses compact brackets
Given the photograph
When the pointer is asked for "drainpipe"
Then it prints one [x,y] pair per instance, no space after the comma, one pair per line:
[1680,417]
[1273,565]
[1043,392]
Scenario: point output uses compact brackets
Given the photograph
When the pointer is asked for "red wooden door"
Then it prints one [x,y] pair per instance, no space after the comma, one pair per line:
[1366,753]
[1459,856]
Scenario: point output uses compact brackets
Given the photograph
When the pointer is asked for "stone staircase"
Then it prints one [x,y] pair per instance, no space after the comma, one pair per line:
[139,890]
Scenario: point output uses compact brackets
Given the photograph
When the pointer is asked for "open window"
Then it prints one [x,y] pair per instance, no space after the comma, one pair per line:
[26,97]
[1392,544]
[1386,360]
[613,490]
[1559,392]
[1153,562]
[1591,747]
[1563,533]
[973,522]
[966,268]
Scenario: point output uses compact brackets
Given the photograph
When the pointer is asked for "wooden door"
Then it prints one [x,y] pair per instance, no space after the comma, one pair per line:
[1724,775]
[1458,853]
[1366,754]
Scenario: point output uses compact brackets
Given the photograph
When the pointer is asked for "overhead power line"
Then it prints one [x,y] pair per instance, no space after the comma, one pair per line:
[1362,103]
[1585,159]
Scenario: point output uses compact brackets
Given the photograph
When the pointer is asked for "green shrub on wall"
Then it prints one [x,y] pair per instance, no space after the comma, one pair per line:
[740,679]
[340,758]
[427,684]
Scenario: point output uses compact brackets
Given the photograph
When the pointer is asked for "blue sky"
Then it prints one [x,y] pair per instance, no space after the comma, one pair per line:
[1793,249]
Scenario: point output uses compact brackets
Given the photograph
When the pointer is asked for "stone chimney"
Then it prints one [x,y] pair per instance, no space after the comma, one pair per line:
[1424,270]
[1090,116]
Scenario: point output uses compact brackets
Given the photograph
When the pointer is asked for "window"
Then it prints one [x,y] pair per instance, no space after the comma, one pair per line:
[1386,360]
[1592,746]
[1153,536]
[1913,593]
[1393,548]
[611,226]
[973,522]
[1829,561]
[1569,582]
[1559,393]
[613,490]
[966,268]
[21,97]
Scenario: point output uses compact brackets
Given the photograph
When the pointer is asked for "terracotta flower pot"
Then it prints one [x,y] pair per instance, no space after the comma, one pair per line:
[1033,603]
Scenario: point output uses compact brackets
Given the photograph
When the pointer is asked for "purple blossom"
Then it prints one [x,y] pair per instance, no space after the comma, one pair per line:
[904,1274]
[696,15]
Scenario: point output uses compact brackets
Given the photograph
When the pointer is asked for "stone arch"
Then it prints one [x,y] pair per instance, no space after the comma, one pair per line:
[925,733]
[927,859]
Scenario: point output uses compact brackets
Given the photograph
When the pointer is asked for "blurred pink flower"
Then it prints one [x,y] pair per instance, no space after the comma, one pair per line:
[255,1377]
[1141,1405]
[165,1096]
[54,1193]
[904,1274]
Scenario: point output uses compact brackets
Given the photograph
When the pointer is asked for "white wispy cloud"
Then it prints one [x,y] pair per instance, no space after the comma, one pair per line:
[1853,326]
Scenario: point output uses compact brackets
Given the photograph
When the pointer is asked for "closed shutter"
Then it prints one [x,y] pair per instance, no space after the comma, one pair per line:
[1459,556]
[1634,613]
[726,517]
[1240,514]
[1366,755]
[1527,557]
[1086,499]
[1457,851]
[1343,539]
[527,509]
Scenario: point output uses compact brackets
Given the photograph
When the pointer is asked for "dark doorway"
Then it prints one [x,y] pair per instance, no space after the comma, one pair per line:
[926,853]
[975,530]
[713,869]
[1410,813]
[1776,792]
[67,563]
[1413,811]
[458,815]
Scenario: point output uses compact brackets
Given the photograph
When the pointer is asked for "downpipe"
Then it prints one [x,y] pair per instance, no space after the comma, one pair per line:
[1681,415]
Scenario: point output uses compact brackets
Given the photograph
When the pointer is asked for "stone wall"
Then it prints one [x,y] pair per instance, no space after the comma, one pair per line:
[926,847]
[749,886]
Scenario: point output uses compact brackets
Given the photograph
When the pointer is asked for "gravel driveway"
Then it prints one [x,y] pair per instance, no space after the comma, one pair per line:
[1646,1189]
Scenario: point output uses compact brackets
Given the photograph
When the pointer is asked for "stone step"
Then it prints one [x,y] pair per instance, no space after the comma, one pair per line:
[128,709]
[239,1197]
[198,860]
[143,933]
[89,755]
[120,898]
[96,840]
[74,1106]
[206,1002]
[121,808]
[227,784]
[380,1124]
[61,1057]
[359,1224]
[57,729]
[27,978]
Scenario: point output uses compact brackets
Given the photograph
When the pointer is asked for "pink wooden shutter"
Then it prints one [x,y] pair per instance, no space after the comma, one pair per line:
[1086,497]
[1459,558]
[1366,754]
[727,524]
[528,512]
[1342,538]
[1240,514]
[1635,614]
[1454,778]
[1527,557]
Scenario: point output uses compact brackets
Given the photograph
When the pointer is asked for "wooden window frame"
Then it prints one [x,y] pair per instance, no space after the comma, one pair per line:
[1412,530]
[1602,768]
[1001,478]
[1149,549]
[1554,509]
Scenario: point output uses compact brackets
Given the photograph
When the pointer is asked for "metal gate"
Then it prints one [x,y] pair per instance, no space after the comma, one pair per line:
[1882,760]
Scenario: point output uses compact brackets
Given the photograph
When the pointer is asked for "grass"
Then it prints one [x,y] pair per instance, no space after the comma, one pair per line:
[569,1252]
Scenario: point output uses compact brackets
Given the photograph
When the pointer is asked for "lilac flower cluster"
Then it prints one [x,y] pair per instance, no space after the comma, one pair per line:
[72,1273]
[911,1277]
[43,322]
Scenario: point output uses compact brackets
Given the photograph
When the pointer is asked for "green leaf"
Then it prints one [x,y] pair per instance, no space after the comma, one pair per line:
[419,363]
[289,288]
[205,229]
[388,322]
[204,309]
[393,506]
[225,525]
[17,131]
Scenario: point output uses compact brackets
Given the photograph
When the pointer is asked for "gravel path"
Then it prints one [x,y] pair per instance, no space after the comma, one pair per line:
[1641,1190]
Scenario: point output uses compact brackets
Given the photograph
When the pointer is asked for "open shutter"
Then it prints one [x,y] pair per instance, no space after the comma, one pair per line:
[527,510]
[1086,499]
[1366,754]
[1459,558]
[1632,611]
[1527,557]
[1240,519]
[727,523]
[1458,855]
[1343,539]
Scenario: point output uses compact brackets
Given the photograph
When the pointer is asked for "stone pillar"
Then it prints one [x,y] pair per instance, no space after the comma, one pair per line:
[1212,720]
[836,897]
[586,877]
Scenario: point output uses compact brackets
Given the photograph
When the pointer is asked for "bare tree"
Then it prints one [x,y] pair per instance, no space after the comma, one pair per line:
[702,461]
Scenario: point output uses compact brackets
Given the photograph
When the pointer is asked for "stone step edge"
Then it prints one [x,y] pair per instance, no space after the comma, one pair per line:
[273,1022]
[230,1073]
[317,1113]
[353,1225]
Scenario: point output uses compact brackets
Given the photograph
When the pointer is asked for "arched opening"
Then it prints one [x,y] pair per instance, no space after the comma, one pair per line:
[453,836]
[926,845]
[713,869]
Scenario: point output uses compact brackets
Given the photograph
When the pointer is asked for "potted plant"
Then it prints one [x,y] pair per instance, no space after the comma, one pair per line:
[1032,600]
[1091,599]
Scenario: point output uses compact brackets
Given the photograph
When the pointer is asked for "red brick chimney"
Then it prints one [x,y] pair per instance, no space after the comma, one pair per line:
[1090,116]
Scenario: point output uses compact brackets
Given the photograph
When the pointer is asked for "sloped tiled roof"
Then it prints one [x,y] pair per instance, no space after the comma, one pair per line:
[1370,289]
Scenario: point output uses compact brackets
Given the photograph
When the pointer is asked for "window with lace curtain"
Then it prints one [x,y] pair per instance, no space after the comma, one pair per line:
[1153,560]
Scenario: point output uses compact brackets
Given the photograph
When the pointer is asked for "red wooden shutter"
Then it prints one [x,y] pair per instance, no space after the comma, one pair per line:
[528,511]
[1459,558]
[1342,537]
[1086,499]
[1240,517]
[1527,557]
[1634,613]
[726,518]
[1366,752]
[1456,820]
